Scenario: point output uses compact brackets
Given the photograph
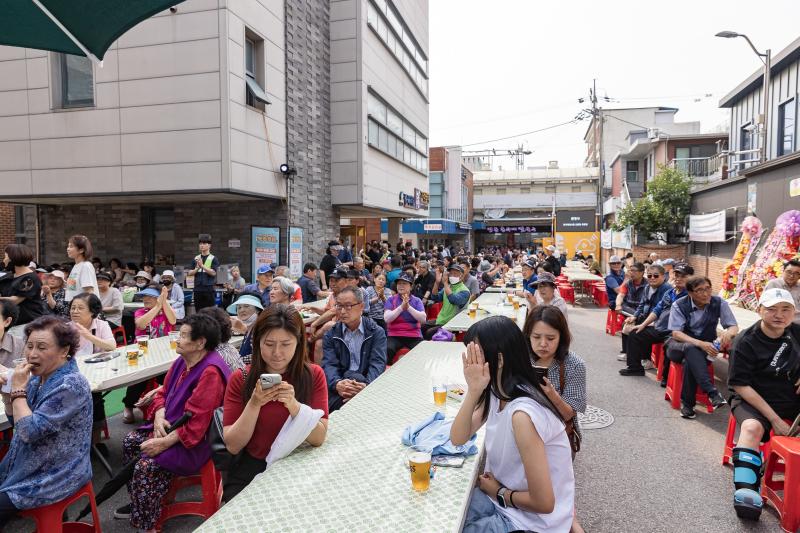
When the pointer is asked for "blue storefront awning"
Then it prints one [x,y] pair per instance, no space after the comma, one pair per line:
[430,226]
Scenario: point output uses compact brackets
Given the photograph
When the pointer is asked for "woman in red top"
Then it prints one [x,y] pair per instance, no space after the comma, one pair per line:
[254,416]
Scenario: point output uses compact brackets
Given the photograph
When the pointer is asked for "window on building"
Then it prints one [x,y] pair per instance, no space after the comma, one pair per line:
[388,25]
[746,134]
[388,131]
[500,190]
[787,114]
[19,224]
[631,171]
[77,83]
[524,190]
[254,76]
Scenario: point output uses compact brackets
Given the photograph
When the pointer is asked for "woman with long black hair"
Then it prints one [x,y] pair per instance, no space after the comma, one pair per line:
[528,481]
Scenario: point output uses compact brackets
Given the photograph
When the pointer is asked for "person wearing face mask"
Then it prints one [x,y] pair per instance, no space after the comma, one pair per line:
[175,295]
[142,279]
[454,295]
[246,309]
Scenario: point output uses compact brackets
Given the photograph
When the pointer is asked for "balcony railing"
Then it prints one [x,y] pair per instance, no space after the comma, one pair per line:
[702,169]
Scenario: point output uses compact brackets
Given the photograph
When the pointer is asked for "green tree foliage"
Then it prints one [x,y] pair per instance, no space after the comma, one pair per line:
[663,209]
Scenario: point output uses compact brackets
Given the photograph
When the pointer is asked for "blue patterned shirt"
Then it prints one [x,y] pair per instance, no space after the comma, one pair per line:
[49,455]
[354,340]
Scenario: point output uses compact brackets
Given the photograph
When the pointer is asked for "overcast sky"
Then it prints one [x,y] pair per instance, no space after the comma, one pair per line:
[504,67]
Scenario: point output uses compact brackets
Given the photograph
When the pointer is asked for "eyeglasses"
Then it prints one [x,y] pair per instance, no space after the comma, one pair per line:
[702,289]
[653,276]
[793,273]
[345,307]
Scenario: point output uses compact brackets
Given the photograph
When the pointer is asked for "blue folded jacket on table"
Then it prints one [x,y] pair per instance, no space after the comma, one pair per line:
[433,435]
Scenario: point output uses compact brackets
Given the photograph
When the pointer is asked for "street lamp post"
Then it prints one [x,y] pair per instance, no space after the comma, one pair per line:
[765,58]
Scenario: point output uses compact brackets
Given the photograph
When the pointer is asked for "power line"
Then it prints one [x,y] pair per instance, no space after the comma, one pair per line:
[573,121]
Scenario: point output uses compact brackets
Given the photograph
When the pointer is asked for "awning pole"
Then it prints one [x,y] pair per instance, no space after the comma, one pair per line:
[68,33]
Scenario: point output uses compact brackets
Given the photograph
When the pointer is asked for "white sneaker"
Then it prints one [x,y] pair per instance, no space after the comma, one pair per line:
[622,357]
[648,364]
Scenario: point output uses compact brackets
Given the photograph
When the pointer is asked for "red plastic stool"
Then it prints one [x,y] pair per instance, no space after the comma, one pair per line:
[399,354]
[614,322]
[730,443]
[567,292]
[600,297]
[784,458]
[210,482]
[657,357]
[433,311]
[675,384]
[48,518]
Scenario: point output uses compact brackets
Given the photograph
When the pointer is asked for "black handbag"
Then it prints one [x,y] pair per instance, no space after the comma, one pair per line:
[222,458]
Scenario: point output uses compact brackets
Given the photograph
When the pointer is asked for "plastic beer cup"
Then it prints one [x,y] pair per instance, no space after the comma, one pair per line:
[173,340]
[419,463]
[439,392]
[132,353]
[141,340]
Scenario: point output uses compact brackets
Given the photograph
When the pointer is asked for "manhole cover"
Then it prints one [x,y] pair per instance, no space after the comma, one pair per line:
[595,418]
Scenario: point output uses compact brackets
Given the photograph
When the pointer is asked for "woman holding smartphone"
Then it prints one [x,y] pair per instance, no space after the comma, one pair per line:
[253,415]
[528,483]
[564,384]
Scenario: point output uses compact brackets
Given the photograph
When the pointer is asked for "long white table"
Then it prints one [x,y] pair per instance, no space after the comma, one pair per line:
[318,306]
[358,479]
[489,304]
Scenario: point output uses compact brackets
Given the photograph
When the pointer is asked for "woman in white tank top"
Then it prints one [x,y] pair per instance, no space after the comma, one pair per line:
[528,482]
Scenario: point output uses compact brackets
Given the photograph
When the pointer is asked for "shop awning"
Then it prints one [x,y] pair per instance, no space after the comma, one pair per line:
[79,27]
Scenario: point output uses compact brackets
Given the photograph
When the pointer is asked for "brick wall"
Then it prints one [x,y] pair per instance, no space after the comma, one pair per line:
[675,251]
[308,123]
[116,229]
[7,225]
[437,160]
[711,267]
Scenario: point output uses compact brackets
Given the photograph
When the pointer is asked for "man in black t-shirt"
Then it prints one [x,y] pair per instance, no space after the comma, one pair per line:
[764,378]
[329,263]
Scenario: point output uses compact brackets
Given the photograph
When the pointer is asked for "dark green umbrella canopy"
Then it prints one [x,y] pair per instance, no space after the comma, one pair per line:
[96,24]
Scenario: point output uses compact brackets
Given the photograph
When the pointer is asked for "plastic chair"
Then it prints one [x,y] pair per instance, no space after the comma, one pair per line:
[657,357]
[614,322]
[730,443]
[784,460]
[399,354]
[675,384]
[433,311]
[210,481]
[119,333]
[567,292]
[49,518]
[600,297]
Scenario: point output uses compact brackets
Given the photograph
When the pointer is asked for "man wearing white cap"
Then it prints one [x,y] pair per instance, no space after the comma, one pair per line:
[553,260]
[789,282]
[175,296]
[764,377]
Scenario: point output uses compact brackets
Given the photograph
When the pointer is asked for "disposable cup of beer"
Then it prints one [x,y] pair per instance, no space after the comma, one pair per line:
[515,302]
[419,463]
[141,341]
[173,340]
[510,296]
[473,309]
[439,391]
[132,354]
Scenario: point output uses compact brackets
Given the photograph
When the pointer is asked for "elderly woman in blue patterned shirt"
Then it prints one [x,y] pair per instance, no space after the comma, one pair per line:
[50,407]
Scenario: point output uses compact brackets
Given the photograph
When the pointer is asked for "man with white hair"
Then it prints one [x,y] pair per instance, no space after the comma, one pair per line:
[764,377]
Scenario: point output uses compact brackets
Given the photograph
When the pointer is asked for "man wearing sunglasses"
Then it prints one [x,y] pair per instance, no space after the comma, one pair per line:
[789,282]
[693,321]
[641,338]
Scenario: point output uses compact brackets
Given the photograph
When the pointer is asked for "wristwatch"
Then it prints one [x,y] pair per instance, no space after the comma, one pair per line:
[501,497]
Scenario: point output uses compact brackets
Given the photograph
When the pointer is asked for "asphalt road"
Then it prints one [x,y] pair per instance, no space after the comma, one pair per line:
[650,471]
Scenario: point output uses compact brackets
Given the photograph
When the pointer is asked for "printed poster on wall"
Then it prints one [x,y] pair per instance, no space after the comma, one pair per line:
[752,197]
[264,243]
[296,252]
[622,239]
[570,242]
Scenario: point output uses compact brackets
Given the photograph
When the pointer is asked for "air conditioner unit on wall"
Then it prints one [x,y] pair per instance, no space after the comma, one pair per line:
[653,133]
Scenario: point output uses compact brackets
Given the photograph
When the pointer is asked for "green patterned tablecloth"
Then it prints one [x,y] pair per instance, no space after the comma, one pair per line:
[488,306]
[357,481]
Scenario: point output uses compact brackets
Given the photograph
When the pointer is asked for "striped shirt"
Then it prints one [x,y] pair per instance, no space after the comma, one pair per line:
[574,392]
[354,340]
